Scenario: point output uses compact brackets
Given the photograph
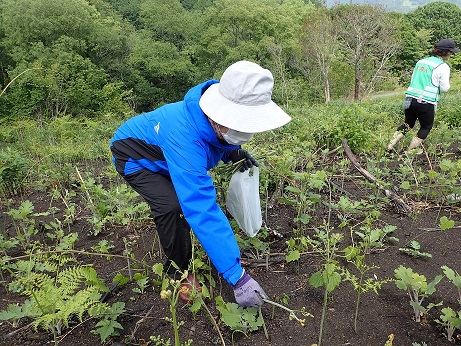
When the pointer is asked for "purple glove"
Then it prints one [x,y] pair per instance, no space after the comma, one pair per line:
[248,292]
[249,161]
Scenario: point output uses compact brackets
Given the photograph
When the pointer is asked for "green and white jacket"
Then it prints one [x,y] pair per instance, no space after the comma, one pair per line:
[431,77]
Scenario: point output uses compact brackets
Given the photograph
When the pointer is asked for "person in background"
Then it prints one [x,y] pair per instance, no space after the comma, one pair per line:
[165,156]
[430,78]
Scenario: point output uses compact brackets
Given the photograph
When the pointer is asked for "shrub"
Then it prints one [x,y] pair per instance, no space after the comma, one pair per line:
[13,170]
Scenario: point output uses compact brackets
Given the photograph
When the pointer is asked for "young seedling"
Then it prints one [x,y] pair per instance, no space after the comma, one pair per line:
[330,276]
[237,318]
[170,290]
[417,287]
[142,282]
[455,279]
[450,320]
[360,284]
[414,249]
[108,324]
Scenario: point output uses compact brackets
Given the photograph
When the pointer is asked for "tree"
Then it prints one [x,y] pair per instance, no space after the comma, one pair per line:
[129,9]
[319,45]
[263,31]
[415,44]
[367,39]
[441,18]
[67,42]
[25,22]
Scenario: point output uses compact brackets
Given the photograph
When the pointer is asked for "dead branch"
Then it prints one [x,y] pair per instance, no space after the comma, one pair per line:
[401,206]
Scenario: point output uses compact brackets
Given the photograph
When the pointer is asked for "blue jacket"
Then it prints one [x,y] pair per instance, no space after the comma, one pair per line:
[182,144]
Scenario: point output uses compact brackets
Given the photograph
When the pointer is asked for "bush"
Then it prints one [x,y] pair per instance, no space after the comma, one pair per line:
[13,169]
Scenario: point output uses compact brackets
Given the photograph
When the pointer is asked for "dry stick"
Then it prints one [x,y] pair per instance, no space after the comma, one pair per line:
[213,321]
[142,320]
[436,229]
[86,190]
[427,156]
[73,328]
[398,202]
[332,151]
[14,332]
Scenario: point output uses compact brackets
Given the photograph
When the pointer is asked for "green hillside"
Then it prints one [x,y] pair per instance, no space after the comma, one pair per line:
[391,5]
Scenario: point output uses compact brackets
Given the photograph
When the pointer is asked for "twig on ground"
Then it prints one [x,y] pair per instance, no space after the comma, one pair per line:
[213,321]
[398,202]
[138,323]
[427,156]
[14,332]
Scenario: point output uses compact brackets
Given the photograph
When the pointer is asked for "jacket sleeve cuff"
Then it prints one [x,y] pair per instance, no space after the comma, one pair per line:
[233,274]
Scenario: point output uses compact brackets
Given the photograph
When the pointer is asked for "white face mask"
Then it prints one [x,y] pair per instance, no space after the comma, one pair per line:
[236,137]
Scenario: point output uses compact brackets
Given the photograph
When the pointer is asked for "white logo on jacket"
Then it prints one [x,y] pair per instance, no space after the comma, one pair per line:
[157,127]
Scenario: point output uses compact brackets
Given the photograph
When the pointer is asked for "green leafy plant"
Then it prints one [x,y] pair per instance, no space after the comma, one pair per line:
[108,324]
[170,290]
[103,246]
[326,244]
[301,196]
[13,170]
[24,222]
[414,249]
[117,205]
[451,321]
[454,278]
[446,223]
[54,294]
[295,246]
[142,282]
[374,237]
[360,283]
[237,318]
[254,247]
[417,288]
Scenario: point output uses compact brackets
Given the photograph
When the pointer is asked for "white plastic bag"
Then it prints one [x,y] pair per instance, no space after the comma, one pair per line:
[243,202]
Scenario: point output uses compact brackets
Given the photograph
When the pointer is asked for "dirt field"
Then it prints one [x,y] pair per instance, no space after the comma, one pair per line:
[380,315]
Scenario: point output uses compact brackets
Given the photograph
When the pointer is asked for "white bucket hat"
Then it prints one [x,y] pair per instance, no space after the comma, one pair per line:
[242,99]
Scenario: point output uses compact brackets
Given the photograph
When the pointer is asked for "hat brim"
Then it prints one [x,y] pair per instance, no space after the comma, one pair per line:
[240,117]
[454,50]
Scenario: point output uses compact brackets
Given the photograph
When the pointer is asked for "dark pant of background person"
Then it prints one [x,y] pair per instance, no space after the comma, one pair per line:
[424,112]
[172,227]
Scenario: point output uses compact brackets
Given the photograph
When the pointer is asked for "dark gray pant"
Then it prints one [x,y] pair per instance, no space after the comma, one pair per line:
[172,227]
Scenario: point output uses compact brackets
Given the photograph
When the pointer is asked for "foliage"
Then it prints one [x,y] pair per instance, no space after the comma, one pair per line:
[360,282]
[367,40]
[123,57]
[24,222]
[108,324]
[170,290]
[57,289]
[451,320]
[118,205]
[414,249]
[237,318]
[13,170]
[326,244]
[417,287]
[448,13]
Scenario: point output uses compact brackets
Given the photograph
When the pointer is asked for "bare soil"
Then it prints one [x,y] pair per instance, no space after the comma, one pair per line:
[380,315]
